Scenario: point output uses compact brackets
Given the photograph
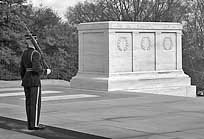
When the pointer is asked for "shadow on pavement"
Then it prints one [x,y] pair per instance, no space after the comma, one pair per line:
[48,133]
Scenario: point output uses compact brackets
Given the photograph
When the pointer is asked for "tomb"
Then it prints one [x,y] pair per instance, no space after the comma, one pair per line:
[134,56]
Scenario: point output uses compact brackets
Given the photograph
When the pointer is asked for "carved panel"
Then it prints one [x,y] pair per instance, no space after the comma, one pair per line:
[167,43]
[144,51]
[146,43]
[121,52]
[166,51]
[122,44]
[93,54]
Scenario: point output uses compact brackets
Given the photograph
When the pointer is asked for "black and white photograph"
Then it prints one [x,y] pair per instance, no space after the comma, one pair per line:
[101,69]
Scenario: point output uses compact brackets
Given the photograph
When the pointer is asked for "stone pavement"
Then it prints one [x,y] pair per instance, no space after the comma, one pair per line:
[84,114]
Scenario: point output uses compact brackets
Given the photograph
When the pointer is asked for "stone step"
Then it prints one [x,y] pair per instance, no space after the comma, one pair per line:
[132,83]
[186,91]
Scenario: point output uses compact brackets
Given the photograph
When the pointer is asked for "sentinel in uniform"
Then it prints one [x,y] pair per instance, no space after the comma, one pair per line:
[31,70]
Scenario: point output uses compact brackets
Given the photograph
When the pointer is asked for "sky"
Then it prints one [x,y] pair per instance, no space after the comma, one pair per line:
[58,5]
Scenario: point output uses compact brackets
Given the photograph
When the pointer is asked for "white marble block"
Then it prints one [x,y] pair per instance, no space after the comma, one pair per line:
[136,56]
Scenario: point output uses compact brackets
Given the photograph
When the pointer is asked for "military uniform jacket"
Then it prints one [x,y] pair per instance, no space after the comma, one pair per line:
[31,68]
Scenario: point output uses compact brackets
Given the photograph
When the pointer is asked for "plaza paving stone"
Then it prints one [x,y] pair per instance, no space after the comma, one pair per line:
[116,115]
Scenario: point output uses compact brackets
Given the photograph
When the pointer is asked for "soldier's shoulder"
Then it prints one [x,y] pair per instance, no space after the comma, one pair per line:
[35,53]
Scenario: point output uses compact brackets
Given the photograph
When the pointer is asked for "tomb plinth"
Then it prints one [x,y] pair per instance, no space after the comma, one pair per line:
[139,56]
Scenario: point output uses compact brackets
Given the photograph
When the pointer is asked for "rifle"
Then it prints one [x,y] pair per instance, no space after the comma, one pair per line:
[35,43]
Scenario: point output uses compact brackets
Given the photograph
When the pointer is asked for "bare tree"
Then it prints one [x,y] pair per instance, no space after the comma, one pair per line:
[127,10]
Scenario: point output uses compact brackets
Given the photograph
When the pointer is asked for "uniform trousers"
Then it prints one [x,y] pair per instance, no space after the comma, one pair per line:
[33,105]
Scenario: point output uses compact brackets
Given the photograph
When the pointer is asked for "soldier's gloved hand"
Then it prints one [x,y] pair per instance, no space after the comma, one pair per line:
[48,71]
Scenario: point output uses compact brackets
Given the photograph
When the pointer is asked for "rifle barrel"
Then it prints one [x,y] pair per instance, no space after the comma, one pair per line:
[37,47]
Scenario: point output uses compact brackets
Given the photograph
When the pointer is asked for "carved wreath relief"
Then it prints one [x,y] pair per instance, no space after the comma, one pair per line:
[167,43]
[122,44]
[146,43]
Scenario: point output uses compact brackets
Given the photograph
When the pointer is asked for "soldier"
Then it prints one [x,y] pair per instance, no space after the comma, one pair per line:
[31,70]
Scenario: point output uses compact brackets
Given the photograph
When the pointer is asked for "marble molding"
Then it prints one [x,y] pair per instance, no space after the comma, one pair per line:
[137,56]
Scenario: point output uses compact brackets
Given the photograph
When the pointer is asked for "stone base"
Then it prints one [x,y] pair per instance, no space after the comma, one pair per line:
[169,83]
[186,91]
